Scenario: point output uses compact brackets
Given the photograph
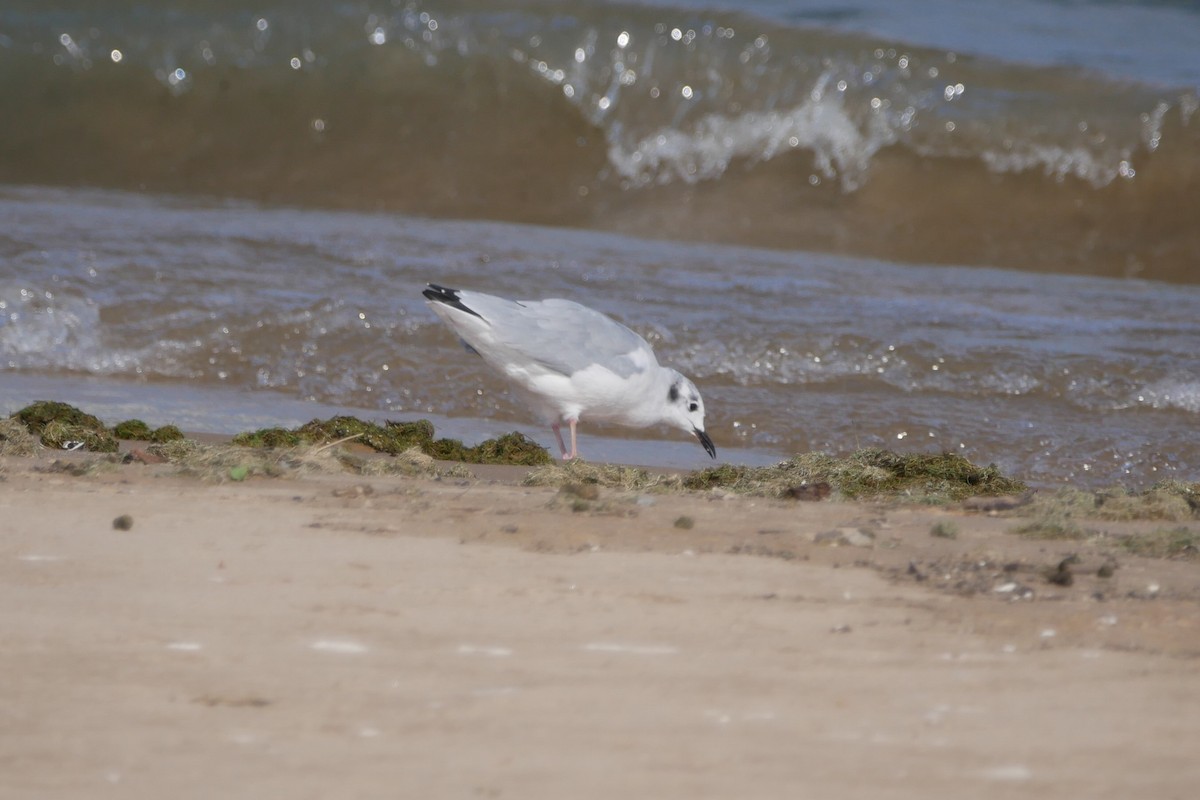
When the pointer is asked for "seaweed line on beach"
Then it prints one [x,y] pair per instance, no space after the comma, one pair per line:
[410,448]
[935,479]
[395,438]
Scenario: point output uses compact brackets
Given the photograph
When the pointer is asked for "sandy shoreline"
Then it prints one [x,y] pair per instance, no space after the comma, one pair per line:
[338,635]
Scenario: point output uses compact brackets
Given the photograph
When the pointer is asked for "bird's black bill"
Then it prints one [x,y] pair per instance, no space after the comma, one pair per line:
[709,447]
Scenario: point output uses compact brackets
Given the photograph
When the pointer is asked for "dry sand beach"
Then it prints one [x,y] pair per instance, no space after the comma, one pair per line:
[334,635]
[946,235]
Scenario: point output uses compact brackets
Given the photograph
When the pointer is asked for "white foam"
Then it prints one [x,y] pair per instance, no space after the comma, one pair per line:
[704,152]
[1172,392]
[1056,161]
[185,647]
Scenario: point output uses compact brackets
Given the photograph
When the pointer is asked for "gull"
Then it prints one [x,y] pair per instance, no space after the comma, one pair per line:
[572,362]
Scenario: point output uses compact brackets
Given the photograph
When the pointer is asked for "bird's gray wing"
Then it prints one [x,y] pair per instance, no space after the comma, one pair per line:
[562,335]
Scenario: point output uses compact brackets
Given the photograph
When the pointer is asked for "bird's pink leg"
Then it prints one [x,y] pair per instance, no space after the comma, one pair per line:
[562,446]
[574,449]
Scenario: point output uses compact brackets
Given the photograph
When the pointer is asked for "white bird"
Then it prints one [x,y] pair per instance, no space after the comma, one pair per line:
[572,362]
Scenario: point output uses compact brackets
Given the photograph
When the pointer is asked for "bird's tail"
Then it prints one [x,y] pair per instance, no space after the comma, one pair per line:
[450,297]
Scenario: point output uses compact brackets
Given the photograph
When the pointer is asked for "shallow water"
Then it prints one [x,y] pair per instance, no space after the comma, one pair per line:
[1038,135]
[1054,378]
[189,265]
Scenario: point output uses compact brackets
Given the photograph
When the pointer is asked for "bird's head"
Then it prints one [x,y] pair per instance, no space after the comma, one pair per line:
[685,410]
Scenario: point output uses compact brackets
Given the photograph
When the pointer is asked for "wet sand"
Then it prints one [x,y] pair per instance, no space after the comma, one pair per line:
[342,636]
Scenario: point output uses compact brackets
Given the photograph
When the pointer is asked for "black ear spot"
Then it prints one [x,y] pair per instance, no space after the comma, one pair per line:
[673,393]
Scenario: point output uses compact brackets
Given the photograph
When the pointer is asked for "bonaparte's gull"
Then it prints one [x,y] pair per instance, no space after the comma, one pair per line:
[572,362]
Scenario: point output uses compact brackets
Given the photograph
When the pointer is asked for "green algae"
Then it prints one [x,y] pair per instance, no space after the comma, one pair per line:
[412,462]
[269,438]
[15,438]
[1053,527]
[392,438]
[935,479]
[280,452]
[511,448]
[219,463]
[612,476]
[65,427]
[37,415]
[69,436]
[1057,514]
[395,438]
[446,449]
[132,429]
[137,430]
[273,452]
[167,433]
[1181,543]
[866,474]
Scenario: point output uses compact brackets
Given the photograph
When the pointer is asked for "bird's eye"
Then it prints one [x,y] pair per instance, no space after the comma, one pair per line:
[693,406]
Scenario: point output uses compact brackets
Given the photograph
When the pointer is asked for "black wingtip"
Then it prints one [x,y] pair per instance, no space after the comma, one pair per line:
[441,294]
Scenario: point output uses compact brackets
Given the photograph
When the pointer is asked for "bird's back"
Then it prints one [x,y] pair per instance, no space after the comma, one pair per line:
[557,335]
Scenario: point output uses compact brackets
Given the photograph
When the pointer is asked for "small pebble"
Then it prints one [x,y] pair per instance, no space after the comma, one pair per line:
[123,523]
